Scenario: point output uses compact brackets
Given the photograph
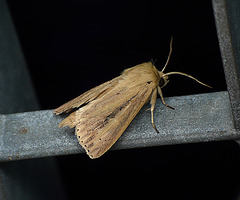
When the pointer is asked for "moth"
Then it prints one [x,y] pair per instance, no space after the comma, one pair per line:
[104,112]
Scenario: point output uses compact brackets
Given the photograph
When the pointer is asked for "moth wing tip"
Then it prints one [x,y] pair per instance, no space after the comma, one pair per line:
[92,153]
[56,113]
[60,125]
[94,156]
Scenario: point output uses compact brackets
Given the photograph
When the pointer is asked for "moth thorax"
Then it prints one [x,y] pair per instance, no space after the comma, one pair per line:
[163,80]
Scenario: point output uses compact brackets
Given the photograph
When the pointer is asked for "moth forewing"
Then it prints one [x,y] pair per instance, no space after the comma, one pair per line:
[87,97]
[101,122]
[111,128]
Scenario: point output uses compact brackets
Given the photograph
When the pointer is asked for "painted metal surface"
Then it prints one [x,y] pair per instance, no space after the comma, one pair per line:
[196,118]
[227,20]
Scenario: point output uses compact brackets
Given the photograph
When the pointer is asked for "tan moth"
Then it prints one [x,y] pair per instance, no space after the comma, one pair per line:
[104,112]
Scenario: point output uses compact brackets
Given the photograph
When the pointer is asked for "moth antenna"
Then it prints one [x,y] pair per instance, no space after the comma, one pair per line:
[187,75]
[169,55]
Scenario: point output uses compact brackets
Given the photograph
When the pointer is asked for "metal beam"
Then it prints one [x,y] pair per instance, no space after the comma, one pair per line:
[227,20]
[196,118]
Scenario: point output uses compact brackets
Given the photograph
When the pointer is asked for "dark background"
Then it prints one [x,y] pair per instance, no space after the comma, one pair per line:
[71,46]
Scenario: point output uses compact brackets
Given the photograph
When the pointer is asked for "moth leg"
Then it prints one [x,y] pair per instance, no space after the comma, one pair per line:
[153,102]
[165,84]
[161,95]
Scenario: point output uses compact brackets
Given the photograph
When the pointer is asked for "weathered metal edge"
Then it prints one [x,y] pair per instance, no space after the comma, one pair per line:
[197,118]
[227,24]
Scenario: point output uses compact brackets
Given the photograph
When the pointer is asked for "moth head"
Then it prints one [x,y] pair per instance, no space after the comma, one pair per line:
[163,79]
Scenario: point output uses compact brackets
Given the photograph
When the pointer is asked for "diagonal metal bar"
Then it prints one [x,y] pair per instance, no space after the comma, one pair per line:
[227,20]
[197,118]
